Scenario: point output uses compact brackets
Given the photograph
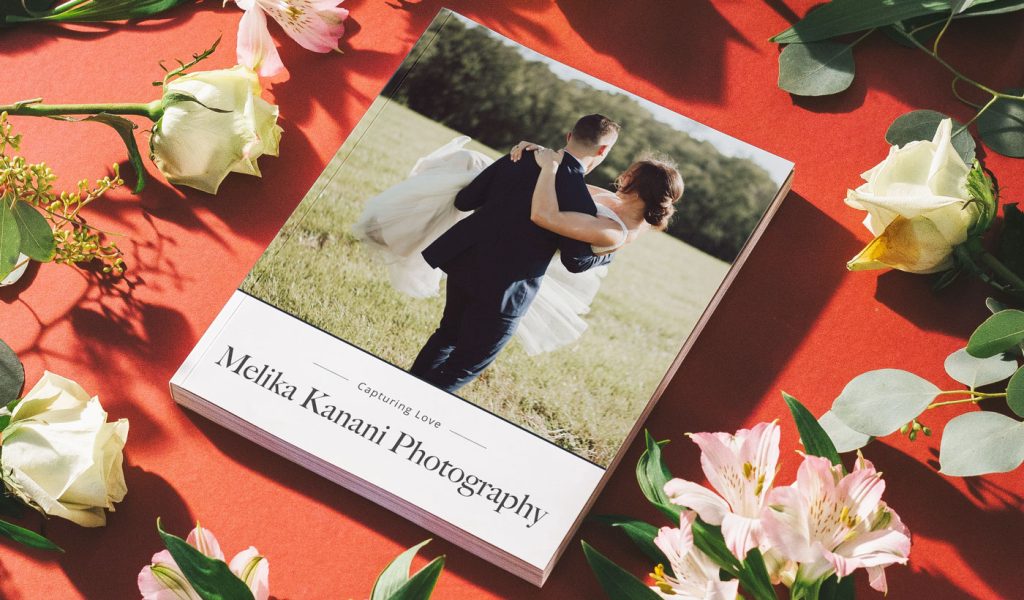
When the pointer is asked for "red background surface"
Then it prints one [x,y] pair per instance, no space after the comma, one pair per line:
[793,320]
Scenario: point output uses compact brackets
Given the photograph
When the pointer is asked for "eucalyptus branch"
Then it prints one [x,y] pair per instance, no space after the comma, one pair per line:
[182,67]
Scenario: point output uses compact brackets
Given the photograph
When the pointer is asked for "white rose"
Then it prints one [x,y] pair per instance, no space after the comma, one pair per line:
[195,146]
[60,455]
[918,206]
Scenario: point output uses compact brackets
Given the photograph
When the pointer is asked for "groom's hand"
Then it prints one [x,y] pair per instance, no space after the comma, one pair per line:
[516,152]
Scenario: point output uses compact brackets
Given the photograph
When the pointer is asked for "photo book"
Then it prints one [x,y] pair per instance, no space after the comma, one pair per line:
[471,313]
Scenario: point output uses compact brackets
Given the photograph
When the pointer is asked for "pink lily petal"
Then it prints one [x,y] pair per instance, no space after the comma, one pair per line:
[254,570]
[741,533]
[876,579]
[202,540]
[710,506]
[255,48]
[316,25]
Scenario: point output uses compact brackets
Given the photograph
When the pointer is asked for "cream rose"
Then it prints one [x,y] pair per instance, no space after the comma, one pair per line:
[61,455]
[918,206]
[195,146]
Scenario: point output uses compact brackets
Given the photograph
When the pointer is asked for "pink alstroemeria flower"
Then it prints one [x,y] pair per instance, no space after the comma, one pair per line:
[695,575]
[829,523]
[316,25]
[163,580]
[741,468]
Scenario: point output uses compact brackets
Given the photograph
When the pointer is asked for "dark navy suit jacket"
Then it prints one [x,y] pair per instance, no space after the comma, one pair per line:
[498,252]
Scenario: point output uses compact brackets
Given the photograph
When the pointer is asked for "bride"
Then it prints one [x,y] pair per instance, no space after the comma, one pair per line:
[397,224]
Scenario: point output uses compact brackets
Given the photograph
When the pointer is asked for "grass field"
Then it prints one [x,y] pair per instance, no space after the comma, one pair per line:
[585,397]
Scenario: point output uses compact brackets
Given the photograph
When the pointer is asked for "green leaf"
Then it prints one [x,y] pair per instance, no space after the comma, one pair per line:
[211,578]
[960,6]
[843,437]
[1011,239]
[754,576]
[396,574]
[833,589]
[999,333]
[617,583]
[1001,126]
[921,125]
[27,537]
[642,535]
[10,237]
[114,10]
[36,235]
[1015,392]
[652,475]
[880,402]
[840,17]
[816,69]
[978,443]
[421,586]
[12,374]
[816,442]
[977,372]
[125,129]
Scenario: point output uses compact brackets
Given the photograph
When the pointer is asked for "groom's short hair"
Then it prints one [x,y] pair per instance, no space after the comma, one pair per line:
[594,129]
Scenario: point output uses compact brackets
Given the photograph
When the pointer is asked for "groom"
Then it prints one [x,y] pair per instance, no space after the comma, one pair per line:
[495,258]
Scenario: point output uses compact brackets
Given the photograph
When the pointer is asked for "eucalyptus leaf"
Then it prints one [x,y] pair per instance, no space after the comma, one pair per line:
[12,374]
[1001,126]
[840,17]
[921,125]
[880,402]
[396,574]
[1011,239]
[617,583]
[36,235]
[977,372]
[10,237]
[977,443]
[27,537]
[126,130]
[642,535]
[994,305]
[814,438]
[999,333]
[844,438]
[421,585]
[1015,392]
[211,578]
[816,69]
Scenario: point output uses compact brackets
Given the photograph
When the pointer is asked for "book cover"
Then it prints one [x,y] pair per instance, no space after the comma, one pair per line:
[415,333]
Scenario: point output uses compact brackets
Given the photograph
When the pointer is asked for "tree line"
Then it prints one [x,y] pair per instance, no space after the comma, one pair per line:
[470,81]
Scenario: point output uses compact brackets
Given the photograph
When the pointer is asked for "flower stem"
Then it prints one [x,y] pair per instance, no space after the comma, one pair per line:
[1015,281]
[32,108]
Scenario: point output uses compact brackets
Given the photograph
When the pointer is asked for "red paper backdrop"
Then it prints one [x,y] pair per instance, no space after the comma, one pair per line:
[794,319]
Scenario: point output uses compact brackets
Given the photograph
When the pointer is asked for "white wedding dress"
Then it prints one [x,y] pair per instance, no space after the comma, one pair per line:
[397,224]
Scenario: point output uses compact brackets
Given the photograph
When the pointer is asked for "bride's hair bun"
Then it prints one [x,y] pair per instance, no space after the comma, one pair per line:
[657,182]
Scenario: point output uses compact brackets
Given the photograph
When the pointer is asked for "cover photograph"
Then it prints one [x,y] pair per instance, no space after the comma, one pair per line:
[470,314]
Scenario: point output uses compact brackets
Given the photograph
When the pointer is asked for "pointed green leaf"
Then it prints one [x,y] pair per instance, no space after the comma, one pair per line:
[816,69]
[754,576]
[211,578]
[421,586]
[396,574]
[880,402]
[960,6]
[652,475]
[816,442]
[1002,125]
[843,437]
[978,443]
[617,583]
[642,535]
[36,235]
[921,125]
[999,333]
[10,237]
[27,537]
[125,129]
[114,10]
[12,374]
[833,589]
[977,372]
[1015,392]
